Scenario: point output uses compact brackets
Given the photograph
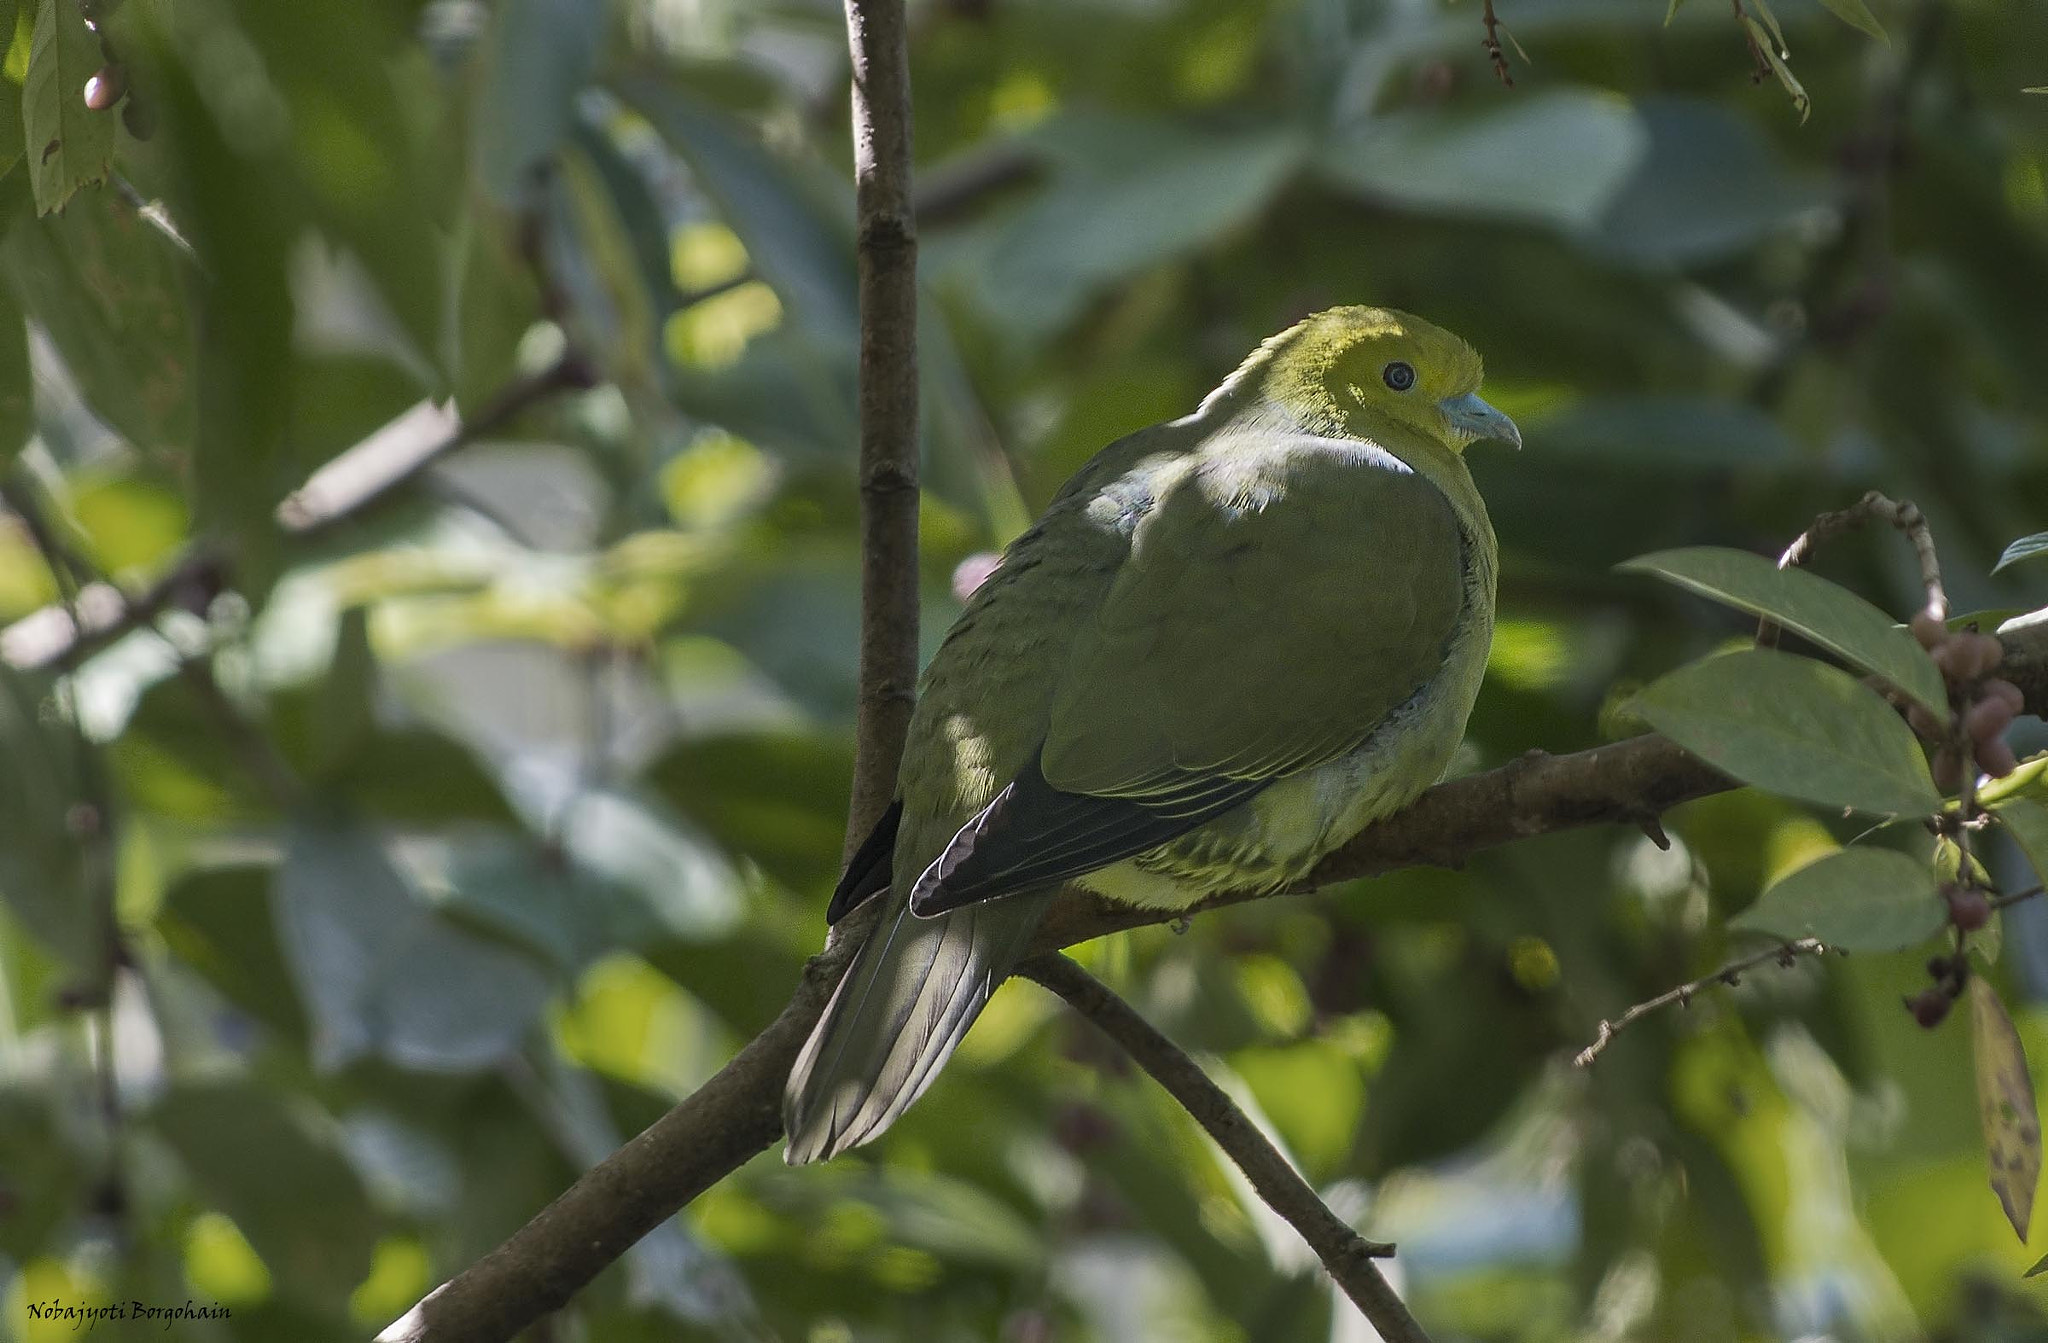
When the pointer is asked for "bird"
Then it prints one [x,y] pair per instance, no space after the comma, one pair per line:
[1229,643]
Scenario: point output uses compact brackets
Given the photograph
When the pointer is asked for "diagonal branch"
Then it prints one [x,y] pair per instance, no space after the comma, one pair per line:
[737,1114]
[1347,1255]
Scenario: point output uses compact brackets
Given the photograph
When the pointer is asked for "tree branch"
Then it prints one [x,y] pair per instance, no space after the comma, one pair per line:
[737,1114]
[1346,1254]
[887,250]
[1731,974]
[347,485]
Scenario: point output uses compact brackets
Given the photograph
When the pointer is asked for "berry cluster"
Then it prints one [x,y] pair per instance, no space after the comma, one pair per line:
[1931,1004]
[1985,703]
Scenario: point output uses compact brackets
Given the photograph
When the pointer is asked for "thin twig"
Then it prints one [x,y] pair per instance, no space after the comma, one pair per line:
[1759,64]
[1784,954]
[887,251]
[2017,897]
[348,484]
[1346,1254]
[1872,507]
[1492,45]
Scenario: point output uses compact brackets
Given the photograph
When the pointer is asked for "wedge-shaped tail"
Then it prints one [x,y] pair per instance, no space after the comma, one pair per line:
[914,988]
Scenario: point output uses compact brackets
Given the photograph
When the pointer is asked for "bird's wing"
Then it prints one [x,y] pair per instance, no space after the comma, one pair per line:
[1272,612]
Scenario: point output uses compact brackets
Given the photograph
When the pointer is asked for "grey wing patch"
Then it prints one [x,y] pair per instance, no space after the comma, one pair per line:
[1033,835]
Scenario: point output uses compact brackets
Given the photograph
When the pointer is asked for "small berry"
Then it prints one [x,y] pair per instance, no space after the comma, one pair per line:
[1987,719]
[1928,1007]
[1948,769]
[1967,907]
[1930,631]
[1996,759]
[1961,659]
[1996,688]
[104,89]
[1994,651]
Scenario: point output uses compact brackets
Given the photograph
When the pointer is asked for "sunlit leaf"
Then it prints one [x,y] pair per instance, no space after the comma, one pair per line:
[2005,1105]
[1853,900]
[70,144]
[263,1161]
[1826,613]
[1794,726]
[2026,548]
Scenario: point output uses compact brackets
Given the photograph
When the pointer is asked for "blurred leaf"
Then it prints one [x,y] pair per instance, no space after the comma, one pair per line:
[73,145]
[41,1177]
[1652,433]
[2041,1264]
[381,972]
[538,57]
[801,245]
[346,712]
[2023,549]
[1857,15]
[217,920]
[1710,186]
[260,1161]
[1555,158]
[42,872]
[1796,727]
[2005,1104]
[1853,900]
[778,798]
[1830,615]
[1126,194]
[109,290]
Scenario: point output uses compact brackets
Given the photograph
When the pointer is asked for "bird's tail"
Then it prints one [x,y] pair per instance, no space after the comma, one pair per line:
[914,988]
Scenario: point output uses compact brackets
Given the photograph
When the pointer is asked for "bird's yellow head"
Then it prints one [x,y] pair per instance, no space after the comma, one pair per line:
[1352,371]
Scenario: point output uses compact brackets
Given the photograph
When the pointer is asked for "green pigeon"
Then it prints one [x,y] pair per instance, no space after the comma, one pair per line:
[1231,642]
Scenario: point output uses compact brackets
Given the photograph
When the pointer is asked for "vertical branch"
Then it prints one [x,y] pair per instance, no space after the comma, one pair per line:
[878,41]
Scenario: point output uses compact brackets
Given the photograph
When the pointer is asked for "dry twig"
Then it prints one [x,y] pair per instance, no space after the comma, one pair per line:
[1784,954]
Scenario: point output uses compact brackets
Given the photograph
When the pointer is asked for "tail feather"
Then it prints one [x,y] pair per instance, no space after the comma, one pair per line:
[914,988]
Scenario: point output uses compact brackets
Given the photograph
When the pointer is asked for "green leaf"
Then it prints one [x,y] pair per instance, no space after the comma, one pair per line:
[70,144]
[107,289]
[218,922]
[2026,820]
[1126,194]
[345,716]
[264,1163]
[540,55]
[1776,57]
[1796,727]
[1711,187]
[1853,900]
[1857,15]
[1556,158]
[2026,548]
[798,239]
[2005,1105]
[2041,1264]
[381,972]
[1826,613]
[42,865]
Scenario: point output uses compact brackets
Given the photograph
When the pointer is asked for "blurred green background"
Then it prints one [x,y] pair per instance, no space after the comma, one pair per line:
[451,841]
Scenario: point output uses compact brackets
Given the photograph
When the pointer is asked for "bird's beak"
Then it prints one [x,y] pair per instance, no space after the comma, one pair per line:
[1476,420]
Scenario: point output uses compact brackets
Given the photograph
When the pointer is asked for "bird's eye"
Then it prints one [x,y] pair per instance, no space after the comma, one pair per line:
[1399,376]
